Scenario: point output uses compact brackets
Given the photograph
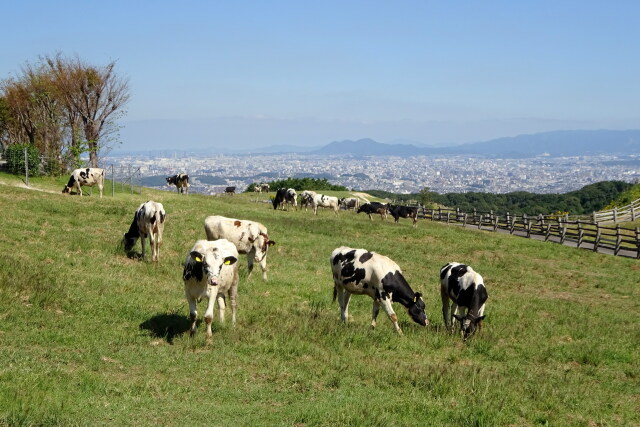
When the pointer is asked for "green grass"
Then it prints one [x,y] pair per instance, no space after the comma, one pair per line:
[91,337]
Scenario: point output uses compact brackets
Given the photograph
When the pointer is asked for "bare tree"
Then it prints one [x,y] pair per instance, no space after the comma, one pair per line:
[93,98]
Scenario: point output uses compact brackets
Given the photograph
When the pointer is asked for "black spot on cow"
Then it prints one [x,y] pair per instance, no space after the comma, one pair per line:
[365,257]
[443,271]
[193,270]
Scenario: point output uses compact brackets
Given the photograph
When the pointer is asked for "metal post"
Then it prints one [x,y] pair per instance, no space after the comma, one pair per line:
[113,182]
[26,167]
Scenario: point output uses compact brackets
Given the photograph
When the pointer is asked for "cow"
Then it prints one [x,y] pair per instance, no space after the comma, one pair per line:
[349,203]
[264,187]
[280,198]
[230,191]
[305,198]
[320,200]
[211,270]
[465,288]
[358,271]
[181,181]
[148,221]
[257,188]
[86,176]
[291,198]
[397,211]
[250,237]
[373,208]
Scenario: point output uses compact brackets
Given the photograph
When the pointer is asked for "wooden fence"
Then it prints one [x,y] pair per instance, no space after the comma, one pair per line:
[581,233]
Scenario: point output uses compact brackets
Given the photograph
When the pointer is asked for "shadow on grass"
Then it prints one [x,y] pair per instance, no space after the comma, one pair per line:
[166,325]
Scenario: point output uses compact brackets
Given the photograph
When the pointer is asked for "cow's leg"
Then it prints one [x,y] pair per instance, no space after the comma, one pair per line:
[79,188]
[374,313]
[233,295]
[193,312]
[153,242]
[208,315]
[221,306]
[386,305]
[344,297]
[143,242]
[455,309]
[263,265]
[446,315]
[250,257]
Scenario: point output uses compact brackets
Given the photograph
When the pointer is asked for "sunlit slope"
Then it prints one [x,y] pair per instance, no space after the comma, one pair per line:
[89,336]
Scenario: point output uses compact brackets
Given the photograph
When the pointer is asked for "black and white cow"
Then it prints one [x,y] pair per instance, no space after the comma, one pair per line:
[358,271]
[350,203]
[211,270]
[306,198]
[465,288]
[250,237]
[181,181]
[85,177]
[291,198]
[148,221]
[264,187]
[280,198]
[398,212]
[373,208]
[324,201]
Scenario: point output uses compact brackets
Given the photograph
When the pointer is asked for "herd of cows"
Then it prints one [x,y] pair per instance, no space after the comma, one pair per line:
[211,267]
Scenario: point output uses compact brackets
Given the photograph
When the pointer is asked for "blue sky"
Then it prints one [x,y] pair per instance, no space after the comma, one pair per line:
[256,73]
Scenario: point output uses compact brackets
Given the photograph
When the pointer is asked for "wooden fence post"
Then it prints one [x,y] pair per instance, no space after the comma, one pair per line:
[495,222]
[546,235]
[597,242]
[638,242]
[464,220]
[618,240]
[633,213]
[580,233]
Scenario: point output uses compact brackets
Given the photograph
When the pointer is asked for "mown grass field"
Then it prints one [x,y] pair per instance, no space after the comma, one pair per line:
[91,337]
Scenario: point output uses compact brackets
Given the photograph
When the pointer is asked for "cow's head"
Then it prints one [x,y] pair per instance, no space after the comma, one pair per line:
[468,324]
[417,310]
[66,189]
[261,244]
[211,264]
[129,241]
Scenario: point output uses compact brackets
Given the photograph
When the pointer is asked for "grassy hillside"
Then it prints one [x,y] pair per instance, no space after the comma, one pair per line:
[91,337]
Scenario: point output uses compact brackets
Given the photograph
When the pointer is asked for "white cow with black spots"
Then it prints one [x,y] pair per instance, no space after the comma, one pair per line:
[358,271]
[85,177]
[465,288]
[211,271]
[320,200]
[148,221]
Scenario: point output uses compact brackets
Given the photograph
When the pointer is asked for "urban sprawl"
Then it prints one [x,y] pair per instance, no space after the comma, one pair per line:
[453,174]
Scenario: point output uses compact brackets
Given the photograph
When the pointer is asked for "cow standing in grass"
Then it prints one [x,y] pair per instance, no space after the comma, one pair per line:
[181,181]
[148,221]
[465,288]
[349,203]
[358,271]
[398,212]
[323,201]
[85,177]
[373,208]
[211,271]
[250,237]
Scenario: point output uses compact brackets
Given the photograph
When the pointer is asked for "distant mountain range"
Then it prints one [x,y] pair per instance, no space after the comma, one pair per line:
[557,143]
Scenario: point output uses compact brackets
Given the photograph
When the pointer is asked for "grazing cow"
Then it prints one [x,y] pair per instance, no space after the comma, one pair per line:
[305,198]
[181,181]
[148,221]
[257,188]
[320,200]
[291,198]
[230,191]
[465,288]
[374,207]
[350,203]
[358,271]
[211,270]
[404,212]
[280,198]
[264,187]
[250,238]
[86,176]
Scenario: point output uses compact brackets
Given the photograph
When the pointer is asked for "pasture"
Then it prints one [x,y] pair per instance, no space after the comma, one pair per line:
[91,337]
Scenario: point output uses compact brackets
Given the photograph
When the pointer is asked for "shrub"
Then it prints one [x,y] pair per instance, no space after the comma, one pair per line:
[16,159]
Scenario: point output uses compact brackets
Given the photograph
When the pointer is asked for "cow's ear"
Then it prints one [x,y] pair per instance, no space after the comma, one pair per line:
[457,316]
[271,243]
[417,296]
[197,256]
[479,319]
[230,260]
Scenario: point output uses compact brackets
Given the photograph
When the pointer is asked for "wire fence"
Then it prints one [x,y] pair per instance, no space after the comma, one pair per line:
[118,178]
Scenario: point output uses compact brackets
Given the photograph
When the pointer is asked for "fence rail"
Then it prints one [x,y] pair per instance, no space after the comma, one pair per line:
[581,233]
